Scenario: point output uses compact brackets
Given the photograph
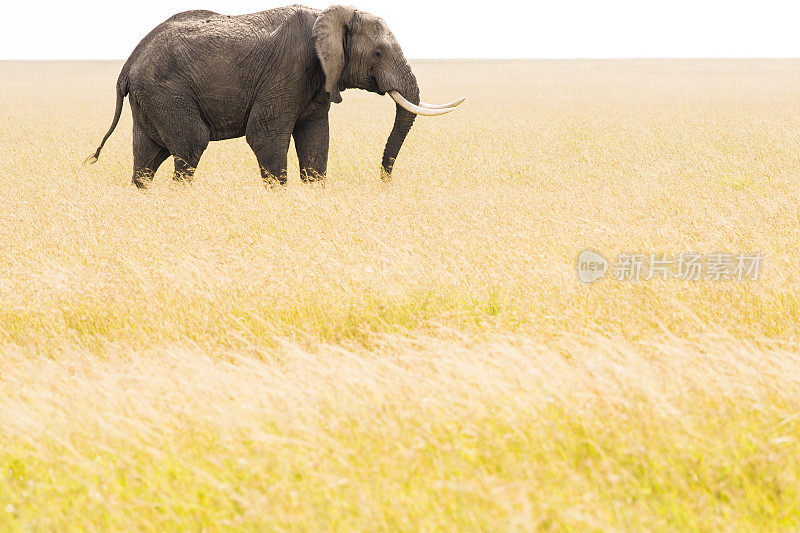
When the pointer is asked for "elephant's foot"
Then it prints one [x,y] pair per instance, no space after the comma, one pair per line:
[312,177]
[273,181]
[317,184]
[184,172]
[142,179]
[180,177]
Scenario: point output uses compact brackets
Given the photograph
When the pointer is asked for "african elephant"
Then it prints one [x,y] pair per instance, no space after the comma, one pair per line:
[200,76]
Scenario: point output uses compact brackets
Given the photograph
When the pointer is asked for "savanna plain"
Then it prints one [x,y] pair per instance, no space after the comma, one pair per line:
[417,355]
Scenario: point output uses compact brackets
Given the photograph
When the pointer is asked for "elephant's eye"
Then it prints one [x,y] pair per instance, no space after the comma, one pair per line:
[378,53]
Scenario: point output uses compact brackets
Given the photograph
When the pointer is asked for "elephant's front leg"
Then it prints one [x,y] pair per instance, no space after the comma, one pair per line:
[311,139]
[268,135]
[271,151]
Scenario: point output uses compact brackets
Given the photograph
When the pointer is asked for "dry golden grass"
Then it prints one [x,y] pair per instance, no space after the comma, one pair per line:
[417,356]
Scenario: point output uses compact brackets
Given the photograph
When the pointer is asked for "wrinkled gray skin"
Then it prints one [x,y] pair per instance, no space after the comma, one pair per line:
[201,76]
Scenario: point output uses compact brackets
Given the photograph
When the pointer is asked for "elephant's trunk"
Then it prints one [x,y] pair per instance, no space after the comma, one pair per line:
[403,120]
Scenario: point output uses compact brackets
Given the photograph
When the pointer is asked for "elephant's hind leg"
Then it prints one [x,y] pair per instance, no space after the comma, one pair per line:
[147,157]
[181,128]
[188,149]
[184,171]
[187,146]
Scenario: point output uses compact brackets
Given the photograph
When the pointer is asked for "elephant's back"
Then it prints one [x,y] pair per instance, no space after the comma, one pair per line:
[165,26]
[214,60]
[200,35]
[185,44]
[192,15]
[201,24]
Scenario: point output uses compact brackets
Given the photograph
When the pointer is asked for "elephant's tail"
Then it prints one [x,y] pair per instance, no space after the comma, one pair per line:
[122,90]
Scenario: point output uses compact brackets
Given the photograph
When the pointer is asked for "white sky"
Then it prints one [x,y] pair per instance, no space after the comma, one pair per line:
[95,29]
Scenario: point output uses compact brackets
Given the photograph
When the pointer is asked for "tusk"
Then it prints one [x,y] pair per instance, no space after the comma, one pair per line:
[417,110]
[454,103]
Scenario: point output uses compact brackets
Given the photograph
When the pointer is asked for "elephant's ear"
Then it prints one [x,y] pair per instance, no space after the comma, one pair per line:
[328,35]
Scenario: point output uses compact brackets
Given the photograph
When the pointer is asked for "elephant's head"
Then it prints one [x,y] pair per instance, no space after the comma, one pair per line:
[357,50]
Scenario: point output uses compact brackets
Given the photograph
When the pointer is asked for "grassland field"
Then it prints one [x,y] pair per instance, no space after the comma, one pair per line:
[417,356]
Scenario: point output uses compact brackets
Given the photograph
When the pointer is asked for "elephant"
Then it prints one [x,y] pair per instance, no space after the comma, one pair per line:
[270,76]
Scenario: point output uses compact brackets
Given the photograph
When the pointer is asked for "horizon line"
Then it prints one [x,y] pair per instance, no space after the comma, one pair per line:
[565,58]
